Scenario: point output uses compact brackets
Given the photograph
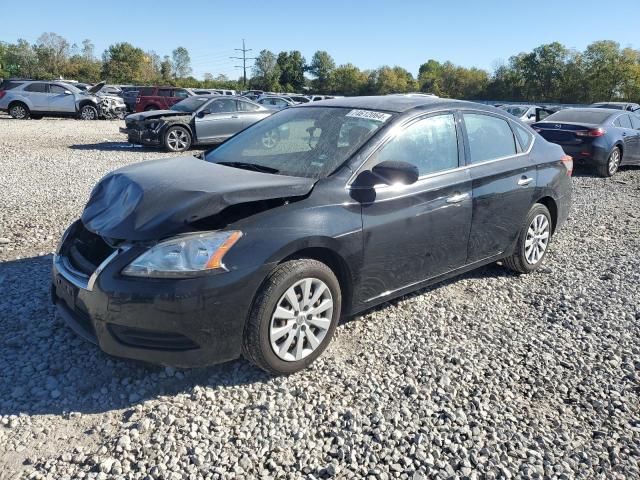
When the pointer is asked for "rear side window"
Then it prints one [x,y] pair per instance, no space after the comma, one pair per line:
[623,121]
[223,106]
[430,144]
[37,87]
[635,122]
[8,85]
[247,107]
[146,91]
[525,137]
[489,137]
[180,93]
[164,92]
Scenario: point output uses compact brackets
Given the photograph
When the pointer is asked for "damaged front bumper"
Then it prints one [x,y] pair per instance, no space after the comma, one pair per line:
[142,137]
[184,322]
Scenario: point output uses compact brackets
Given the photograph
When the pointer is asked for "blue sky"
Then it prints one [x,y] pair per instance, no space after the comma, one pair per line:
[366,33]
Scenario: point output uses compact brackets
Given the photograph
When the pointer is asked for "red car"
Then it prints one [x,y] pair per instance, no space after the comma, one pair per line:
[160,98]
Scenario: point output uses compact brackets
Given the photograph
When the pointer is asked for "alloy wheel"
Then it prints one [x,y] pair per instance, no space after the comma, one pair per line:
[19,112]
[614,161]
[270,139]
[537,239]
[301,319]
[177,140]
[88,113]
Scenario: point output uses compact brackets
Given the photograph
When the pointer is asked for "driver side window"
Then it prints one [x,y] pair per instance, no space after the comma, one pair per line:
[431,144]
[223,105]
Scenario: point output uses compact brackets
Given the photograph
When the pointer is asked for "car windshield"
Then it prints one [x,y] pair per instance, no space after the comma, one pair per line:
[578,116]
[303,141]
[515,110]
[190,105]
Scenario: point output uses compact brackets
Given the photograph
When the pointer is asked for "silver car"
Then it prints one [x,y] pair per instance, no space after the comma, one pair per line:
[35,99]
[197,120]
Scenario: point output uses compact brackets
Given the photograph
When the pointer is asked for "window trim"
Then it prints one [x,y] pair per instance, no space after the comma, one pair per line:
[462,136]
[46,87]
[622,126]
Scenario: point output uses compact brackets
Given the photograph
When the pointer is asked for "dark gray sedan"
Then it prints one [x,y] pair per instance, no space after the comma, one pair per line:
[197,120]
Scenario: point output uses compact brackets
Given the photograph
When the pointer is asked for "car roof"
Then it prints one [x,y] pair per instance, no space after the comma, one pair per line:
[395,103]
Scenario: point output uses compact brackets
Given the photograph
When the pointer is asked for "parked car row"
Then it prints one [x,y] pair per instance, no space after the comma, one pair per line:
[24,99]
[258,249]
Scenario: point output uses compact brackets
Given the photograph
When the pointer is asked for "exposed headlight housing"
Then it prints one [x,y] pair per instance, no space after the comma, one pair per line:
[184,256]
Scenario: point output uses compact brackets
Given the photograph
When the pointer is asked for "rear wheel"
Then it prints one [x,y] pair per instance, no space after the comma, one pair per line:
[293,317]
[19,111]
[533,241]
[612,165]
[177,139]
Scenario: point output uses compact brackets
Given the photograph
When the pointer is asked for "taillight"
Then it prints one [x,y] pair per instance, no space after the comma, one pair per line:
[594,132]
[567,161]
[2,93]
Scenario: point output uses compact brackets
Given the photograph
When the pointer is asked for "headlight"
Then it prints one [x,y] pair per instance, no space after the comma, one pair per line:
[184,256]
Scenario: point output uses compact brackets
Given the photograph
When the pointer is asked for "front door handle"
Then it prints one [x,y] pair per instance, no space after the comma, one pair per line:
[524,181]
[457,198]
[235,116]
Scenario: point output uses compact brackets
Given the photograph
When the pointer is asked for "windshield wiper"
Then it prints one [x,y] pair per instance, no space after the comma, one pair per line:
[250,166]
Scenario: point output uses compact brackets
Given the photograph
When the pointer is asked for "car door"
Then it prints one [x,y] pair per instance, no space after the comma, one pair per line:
[37,94]
[416,232]
[629,137]
[218,121]
[504,180]
[61,100]
[635,124]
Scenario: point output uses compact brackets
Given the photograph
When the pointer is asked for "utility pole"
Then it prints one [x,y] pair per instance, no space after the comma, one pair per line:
[244,59]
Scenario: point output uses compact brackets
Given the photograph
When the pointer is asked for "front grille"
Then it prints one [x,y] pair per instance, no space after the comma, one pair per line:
[85,250]
[141,338]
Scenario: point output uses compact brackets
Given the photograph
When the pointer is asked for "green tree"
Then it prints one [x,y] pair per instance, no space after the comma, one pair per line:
[321,67]
[348,80]
[123,63]
[292,65]
[166,67]
[266,72]
[181,62]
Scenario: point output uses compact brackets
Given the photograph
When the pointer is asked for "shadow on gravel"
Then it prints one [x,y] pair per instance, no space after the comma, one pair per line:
[112,147]
[46,369]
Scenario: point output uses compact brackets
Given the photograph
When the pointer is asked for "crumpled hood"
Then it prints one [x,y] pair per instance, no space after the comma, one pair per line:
[151,114]
[151,200]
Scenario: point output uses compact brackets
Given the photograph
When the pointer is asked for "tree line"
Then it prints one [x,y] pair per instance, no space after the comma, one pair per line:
[604,71]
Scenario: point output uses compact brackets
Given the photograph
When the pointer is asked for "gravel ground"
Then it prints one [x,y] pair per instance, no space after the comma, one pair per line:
[491,375]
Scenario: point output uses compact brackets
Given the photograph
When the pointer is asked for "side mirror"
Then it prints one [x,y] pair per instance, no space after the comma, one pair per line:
[531,115]
[202,113]
[389,172]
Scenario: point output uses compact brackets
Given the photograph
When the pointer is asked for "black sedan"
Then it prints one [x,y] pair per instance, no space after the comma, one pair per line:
[260,251]
[602,138]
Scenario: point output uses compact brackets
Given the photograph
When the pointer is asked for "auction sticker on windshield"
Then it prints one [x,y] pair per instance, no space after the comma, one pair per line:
[369,114]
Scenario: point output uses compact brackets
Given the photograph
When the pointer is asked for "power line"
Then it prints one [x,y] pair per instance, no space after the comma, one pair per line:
[244,59]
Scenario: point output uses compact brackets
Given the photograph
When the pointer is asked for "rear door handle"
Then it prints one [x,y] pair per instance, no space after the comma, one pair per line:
[235,116]
[524,181]
[457,198]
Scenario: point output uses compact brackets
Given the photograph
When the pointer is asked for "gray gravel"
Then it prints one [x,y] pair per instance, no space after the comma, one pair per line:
[491,375]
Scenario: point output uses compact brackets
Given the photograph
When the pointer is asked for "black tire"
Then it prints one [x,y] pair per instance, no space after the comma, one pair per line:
[177,139]
[88,112]
[19,111]
[614,160]
[257,344]
[519,262]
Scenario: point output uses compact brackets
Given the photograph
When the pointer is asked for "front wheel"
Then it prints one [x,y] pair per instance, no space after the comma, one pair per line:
[293,317]
[613,163]
[532,242]
[177,139]
[88,112]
